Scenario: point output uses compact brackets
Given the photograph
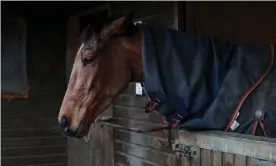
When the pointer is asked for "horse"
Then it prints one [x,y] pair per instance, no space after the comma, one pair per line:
[195,82]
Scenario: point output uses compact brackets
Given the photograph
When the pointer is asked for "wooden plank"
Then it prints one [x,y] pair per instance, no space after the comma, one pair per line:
[196,161]
[30,132]
[33,160]
[32,112]
[239,160]
[148,154]
[36,100]
[19,123]
[107,141]
[185,162]
[240,144]
[256,162]
[150,141]
[138,125]
[205,157]
[131,89]
[228,159]
[216,158]
[96,156]
[50,164]
[35,150]
[78,152]
[122,159]
[137,114]
[32,141]
[177,161]
[130,100]
[55,164]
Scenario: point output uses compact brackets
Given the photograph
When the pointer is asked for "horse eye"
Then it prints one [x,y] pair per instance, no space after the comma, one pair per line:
[87,60]
[87,49]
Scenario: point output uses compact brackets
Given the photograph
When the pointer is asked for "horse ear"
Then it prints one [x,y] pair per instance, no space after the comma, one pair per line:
[122,21]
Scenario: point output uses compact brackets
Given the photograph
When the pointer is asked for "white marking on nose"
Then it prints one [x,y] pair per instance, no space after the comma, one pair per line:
[80,48]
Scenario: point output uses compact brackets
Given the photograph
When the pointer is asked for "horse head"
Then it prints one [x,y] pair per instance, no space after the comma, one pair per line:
[108,59]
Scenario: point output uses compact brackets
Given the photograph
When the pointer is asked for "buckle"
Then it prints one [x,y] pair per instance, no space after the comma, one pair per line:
[152,105]
[156,99]
[259,115]
[180,114]
[175,121]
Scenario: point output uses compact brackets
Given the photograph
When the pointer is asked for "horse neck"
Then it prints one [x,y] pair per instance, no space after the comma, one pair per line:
[133,46]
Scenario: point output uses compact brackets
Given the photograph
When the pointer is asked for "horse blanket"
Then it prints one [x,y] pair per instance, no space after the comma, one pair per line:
[205,83]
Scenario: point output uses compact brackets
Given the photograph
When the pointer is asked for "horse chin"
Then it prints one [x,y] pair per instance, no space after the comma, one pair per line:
[83,131]
[81,134]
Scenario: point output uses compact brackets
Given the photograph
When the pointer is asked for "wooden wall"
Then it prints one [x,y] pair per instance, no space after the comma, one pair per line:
[29,127]
[246,21]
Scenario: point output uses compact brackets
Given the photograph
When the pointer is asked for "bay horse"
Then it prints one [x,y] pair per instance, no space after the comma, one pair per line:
[196,82]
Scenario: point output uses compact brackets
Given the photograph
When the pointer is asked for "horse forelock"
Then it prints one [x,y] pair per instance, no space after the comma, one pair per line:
[100,25]
[95,28]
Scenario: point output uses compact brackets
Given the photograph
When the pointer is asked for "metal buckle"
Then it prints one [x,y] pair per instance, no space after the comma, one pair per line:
[259,115]
[152,105]
[176,121]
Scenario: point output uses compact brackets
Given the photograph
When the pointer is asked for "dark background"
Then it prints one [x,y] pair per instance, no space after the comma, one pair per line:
[29,127]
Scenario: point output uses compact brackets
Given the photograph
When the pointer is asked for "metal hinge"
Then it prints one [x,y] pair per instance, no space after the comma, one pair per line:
[184,151]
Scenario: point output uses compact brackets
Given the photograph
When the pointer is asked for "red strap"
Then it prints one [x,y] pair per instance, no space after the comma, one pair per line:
[173,123]
[253,129]
[250,89]
[263,128]
[151,106]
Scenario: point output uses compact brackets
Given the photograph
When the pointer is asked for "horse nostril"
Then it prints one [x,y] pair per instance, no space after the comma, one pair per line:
[64,123]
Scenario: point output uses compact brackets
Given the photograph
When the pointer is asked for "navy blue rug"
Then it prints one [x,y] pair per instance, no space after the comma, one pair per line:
[205,83]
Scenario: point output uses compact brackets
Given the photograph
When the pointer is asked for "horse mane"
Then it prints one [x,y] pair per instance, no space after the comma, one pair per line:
[96,27]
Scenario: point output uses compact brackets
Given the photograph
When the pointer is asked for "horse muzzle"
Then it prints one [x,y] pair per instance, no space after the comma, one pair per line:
[65,128]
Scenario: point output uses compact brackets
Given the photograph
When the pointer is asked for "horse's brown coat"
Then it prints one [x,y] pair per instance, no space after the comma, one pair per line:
[92,88]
